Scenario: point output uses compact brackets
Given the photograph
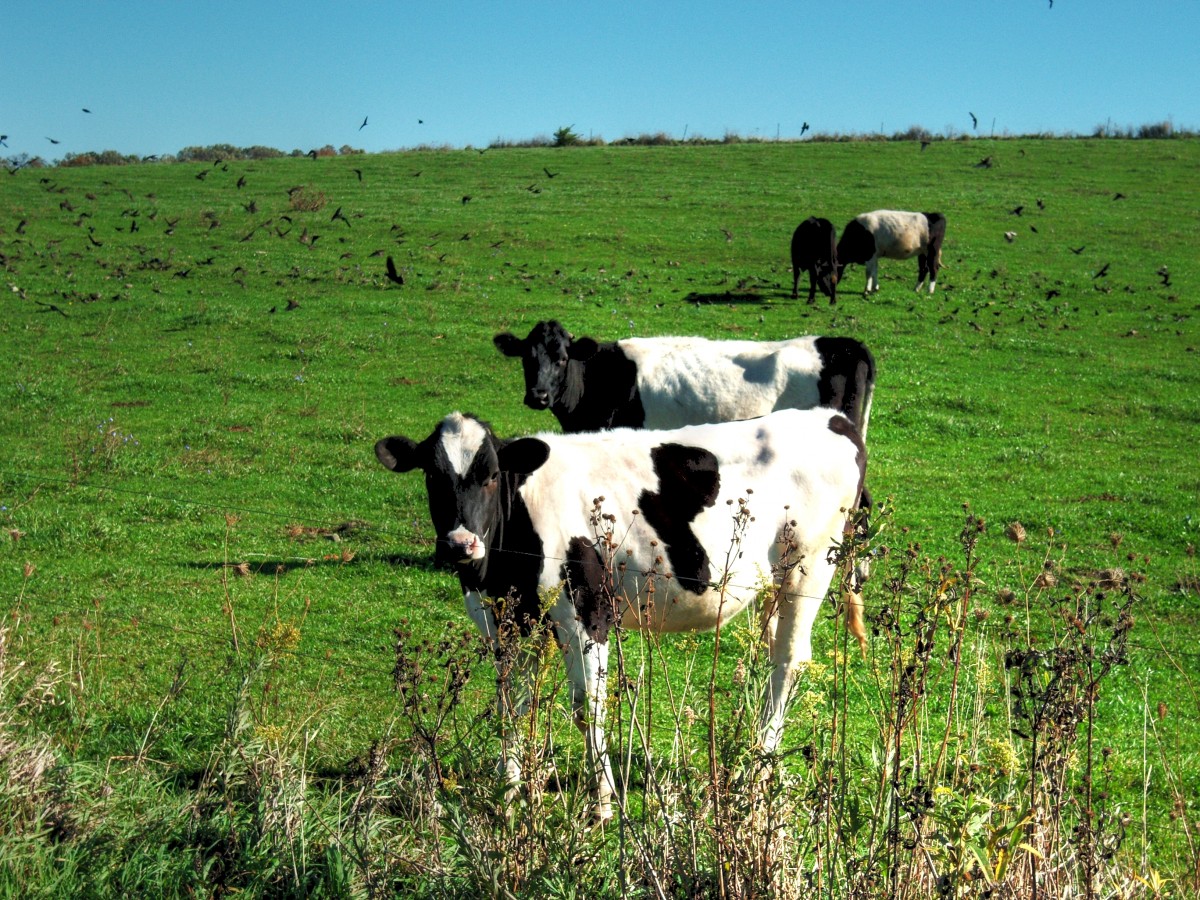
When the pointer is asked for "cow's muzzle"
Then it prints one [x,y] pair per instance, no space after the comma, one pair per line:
[537,399]
[465,546]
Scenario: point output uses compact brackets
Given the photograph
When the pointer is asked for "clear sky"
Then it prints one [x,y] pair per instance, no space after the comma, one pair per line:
[159,76]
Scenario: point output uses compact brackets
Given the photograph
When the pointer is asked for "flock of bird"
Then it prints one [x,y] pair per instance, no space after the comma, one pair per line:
[282,224]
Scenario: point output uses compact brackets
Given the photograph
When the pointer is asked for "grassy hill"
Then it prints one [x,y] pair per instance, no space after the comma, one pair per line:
[200,357]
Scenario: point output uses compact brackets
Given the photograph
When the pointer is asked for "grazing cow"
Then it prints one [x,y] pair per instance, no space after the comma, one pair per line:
[892,234]
[814,250]
[669,382]
[635,528]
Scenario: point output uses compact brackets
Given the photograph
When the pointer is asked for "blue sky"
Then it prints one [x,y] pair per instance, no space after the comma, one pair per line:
[160,76]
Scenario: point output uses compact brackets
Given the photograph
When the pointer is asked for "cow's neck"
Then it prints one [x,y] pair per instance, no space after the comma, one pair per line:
[600,392]
[509,570]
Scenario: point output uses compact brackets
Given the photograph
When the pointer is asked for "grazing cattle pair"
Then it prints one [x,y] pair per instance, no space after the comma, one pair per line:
[882,234]
[635,527]
[520,519]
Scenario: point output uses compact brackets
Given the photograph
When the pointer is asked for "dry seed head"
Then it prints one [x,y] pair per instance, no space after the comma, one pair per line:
[1015,531]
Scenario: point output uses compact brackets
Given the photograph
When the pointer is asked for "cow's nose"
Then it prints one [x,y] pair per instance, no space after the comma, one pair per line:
[537,399]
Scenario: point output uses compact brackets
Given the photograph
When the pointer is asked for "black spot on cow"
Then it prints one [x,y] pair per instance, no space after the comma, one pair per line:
[689,479]
[587,580]
[847,376]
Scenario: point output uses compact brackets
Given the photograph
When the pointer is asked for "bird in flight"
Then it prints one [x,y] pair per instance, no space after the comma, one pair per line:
[393,276]
[1016,211]
[974,121]
[1080,250]
[86,110]
[364,124]
[803,128]
[1103,271]
[550,174]
[52,140]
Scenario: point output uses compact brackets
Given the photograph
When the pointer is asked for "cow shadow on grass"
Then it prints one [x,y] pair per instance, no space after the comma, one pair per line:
[272,568]
[726,297]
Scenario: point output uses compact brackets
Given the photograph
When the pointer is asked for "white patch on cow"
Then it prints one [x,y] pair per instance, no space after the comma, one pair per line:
[471,545]
[461,438]
[692,381]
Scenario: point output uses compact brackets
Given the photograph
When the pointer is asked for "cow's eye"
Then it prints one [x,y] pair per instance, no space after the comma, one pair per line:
[492,480]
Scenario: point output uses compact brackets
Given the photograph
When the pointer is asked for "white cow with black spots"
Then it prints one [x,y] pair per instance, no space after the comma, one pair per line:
[519,518]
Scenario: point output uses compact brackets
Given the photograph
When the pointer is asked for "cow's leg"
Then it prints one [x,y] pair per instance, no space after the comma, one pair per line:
[800,595]
[587,671]
[812,284]
[934,257]
[922,269]
[516,675]
[795,281]
[872,274]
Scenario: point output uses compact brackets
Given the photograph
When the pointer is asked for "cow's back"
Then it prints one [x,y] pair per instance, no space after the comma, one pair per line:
[694,381]
[801,465]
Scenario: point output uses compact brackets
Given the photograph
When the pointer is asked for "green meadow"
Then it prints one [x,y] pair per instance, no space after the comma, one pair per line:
[213,592]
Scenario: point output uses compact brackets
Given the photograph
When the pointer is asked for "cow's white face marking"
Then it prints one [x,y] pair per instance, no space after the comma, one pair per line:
[461,439]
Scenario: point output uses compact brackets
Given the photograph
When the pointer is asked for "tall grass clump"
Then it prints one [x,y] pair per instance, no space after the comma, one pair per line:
[957,758]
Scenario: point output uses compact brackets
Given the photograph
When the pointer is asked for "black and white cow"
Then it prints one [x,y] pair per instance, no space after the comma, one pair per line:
[669,382]
[814,250]
[522,520]
[893,234]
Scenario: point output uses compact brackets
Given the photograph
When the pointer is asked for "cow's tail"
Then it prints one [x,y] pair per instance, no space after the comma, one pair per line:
[857,576]
[855,623]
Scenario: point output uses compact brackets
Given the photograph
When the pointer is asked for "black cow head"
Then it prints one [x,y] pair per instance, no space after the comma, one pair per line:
[545,356]
[470,475]
[856,246]
[827,277]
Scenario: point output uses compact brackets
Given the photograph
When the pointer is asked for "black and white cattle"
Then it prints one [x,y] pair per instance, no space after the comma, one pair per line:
[635,527]
[893,234]
[669,382]
[814,250]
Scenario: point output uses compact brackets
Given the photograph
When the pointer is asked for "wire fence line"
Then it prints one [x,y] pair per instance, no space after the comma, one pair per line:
[870,607]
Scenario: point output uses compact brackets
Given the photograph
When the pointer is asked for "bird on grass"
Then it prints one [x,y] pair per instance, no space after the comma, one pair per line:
[985,163]
[1017,210]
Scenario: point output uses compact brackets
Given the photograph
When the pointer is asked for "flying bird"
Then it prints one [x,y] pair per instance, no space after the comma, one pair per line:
[1118,196]
[393,276]
[1080,250]
[241,182]
[1016,211]
[86,110]
[974,121]
[550,174]
[52,140]
[803,128]
[985,163]
[364,124]
[1010,236]
[357,172]
[1103,271]
[3,138]
[337,214]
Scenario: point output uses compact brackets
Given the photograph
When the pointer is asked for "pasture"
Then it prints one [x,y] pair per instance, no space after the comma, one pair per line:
[203,562]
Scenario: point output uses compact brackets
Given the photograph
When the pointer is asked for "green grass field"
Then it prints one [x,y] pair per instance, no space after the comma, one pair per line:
[199,358]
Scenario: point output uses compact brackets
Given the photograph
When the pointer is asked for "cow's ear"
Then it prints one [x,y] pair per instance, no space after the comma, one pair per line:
[584,348]
[509,344]
[400,454]
[523,456]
